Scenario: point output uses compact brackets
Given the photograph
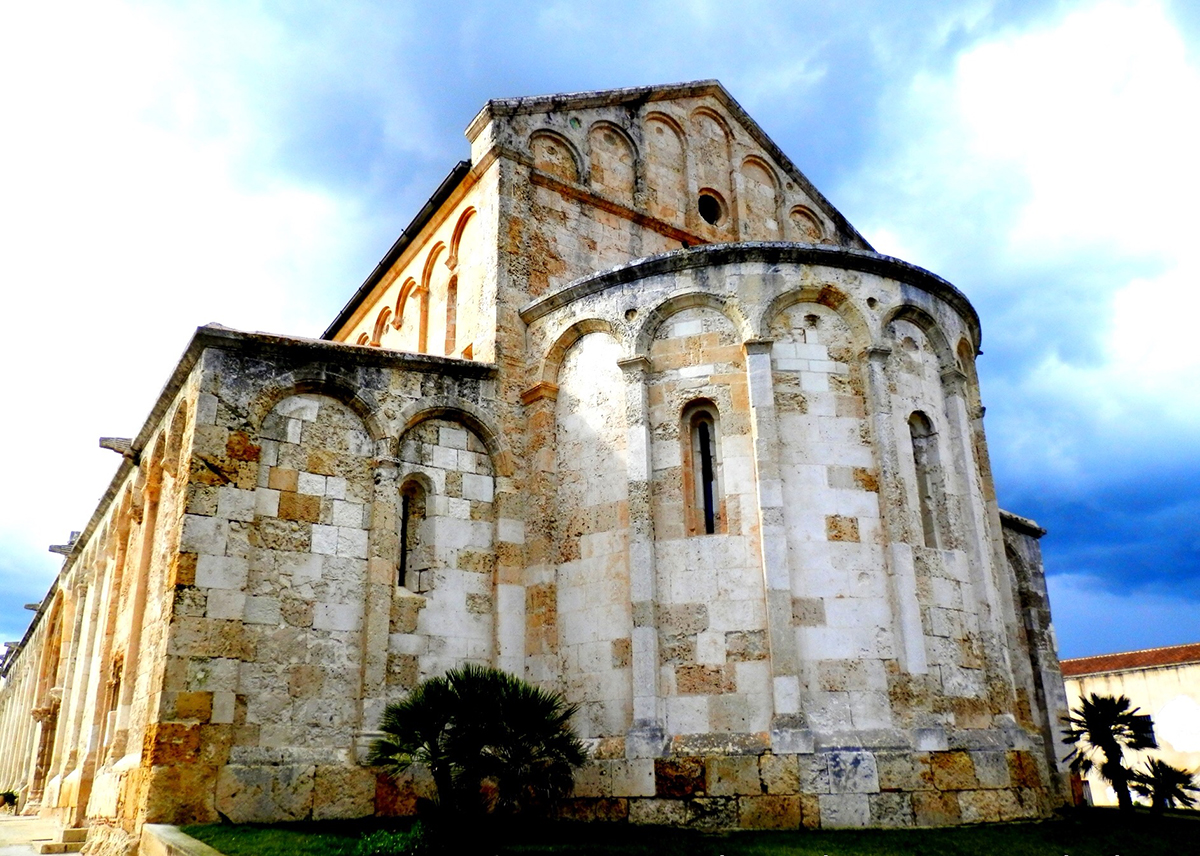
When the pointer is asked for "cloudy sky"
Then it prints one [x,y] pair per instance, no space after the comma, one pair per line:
[164,165]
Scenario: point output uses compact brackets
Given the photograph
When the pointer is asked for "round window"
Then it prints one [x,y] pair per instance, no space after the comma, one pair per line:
[710,208]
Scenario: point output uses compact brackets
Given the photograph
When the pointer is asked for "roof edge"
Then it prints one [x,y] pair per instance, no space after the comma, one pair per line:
[444,191]
[1024,525]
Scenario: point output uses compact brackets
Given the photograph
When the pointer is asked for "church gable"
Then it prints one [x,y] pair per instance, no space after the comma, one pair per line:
[685,161]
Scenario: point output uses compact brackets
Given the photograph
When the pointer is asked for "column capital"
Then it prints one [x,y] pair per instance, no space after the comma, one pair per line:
[758,346]
[954,380]
[879,353]
[542,390]
[634,365]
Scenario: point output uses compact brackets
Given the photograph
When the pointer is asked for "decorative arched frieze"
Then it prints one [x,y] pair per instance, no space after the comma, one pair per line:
[318,380]
[456,237]
[688,300]
[555,154]
[928,325]
[825,295]
[552,362]
[471,415]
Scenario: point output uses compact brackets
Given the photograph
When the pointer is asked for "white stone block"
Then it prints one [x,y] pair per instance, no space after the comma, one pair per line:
[693,327]
[454,438]
[311,484]
[336,616]
[687,714]
[301,567]
[266,502]
[814,382]
[262,610]
[226,604]
[293,429]
[468,462]
[324,539]
[696,371]
[224,705]
[459,509]
[204,535]
[477,487]
[350,514]
[206,409]
[445,458]
[786,689]
[407,643]
[235,504]
[710,647]
[221,572]
[335,487]
[511,531]
[351,542]
[299,408]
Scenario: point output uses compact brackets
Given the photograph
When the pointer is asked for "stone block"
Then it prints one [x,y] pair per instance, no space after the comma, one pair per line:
[712,813]
[979,806]
[633,777]
[735,775]
[891,810]
[606,810]
[934,808]
[810,811]
[808,611]
[953,771]
[743,645]
[852,773]
[683,619]
[991,769]
[194,705]
[658,812]
[265,794]
[814,773]
[769,812]
[678,777]
[704,680]
[593,779]
[839,528]
[1023,770]
[779,774]
[845,811]
[342,792]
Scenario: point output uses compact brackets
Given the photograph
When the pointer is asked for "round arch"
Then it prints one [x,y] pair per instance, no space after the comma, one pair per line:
[472,416]
[932,330]
[823,295]
[688,300]
[318,381]
[552,361]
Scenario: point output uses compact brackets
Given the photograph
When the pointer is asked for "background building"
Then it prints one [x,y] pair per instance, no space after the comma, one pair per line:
[1163,682]
[629,409]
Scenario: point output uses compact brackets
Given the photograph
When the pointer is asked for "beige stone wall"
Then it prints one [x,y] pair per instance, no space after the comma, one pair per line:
[1170,694]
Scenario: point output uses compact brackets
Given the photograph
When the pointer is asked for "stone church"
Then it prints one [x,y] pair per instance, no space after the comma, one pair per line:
[629,409]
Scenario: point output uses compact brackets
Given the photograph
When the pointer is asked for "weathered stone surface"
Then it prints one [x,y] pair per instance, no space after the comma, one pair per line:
[732,776]
[953,771]
[933,808]
[265,794]
[769,812]
[678,777]
[779,774]
[343,792]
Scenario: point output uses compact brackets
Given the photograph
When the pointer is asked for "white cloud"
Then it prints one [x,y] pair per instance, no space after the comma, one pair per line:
[1068,146]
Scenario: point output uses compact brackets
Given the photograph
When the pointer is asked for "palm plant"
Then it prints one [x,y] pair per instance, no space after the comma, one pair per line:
[1165,786]
[1100,730]
[492,742]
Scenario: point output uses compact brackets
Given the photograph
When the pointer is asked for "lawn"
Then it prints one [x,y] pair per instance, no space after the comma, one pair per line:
[1084,833]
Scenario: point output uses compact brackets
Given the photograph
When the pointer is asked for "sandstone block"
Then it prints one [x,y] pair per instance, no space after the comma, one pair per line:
[658,812]
[979,806]
[891,810]
[633,777]
[732,776]
[779,774]
[933,808]
[991,769]
[678,777]
[704,680]
[810,811]
[712,813]
[265,794]
[343,792]
[953,771]
[769,812]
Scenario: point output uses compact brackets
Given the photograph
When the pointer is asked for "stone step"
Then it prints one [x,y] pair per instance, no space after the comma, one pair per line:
[79,833]
[62,847]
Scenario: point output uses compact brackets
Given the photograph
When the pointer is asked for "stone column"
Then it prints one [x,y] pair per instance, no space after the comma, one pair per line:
[383,550]
[647,737]
[898,524]
[788,732]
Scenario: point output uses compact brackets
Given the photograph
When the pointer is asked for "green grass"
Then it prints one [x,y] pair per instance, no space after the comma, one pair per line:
[1084,833]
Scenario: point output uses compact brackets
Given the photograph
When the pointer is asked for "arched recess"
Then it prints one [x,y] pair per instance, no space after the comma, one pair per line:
[456,238]
[825,295]
[381,326]
[435,280]
[473,417]
[688,300]
[178,425]
[665,168]
[613,164]
[317,380]
[552,362]
[932,330]
[411,318]
[556,155]
[711,162]
[761,200]
[48,699]
[589,550]
[447,467]
[804,225]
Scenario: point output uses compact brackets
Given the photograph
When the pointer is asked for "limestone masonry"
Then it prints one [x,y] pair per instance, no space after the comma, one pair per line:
[630,410]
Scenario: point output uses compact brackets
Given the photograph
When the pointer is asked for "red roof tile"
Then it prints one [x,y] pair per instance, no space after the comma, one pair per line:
[1146,659]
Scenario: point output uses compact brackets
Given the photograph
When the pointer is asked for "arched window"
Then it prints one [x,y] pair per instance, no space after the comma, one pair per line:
[702,469]
[413,571]
[925,458]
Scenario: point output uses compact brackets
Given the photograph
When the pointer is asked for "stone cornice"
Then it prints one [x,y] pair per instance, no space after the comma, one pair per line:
[773,252]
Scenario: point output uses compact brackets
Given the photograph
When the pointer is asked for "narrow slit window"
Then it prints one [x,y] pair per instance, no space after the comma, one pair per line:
[703,471]
[925,459]
[412,514]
